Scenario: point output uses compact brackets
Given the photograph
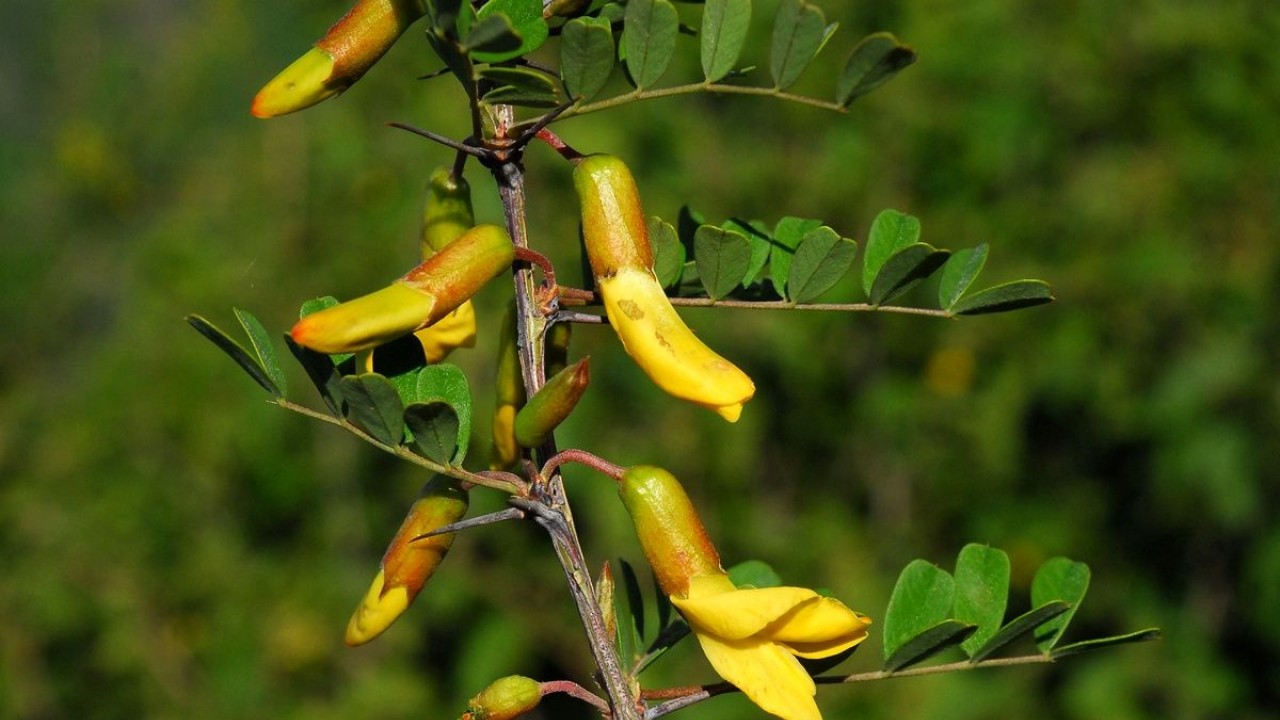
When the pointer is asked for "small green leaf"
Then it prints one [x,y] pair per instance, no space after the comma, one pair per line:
[754,573]
[798,32]
[263,348]
[1063,579]
[982,590]
[959,273]
[523,97]
[723,257]
[787,235]
[520,77]
[525,17]
[668,252]
[927,643]
[323,373]
[493,34]
[649,39]
[435,430]
[724,30]
[761,243]
[1020,626]
[587,56]
[890,232]
[374,404]
[447,383]
[904,269]
[1095,644]
[237,353]
[921,599]
[873,62]
[821,260]
[1014,295]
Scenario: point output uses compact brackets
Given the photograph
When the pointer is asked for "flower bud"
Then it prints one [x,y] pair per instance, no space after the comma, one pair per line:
[552,404]
[616,237]
[409,563]
[505,698]
[341,57]
[419,299]
[673,538]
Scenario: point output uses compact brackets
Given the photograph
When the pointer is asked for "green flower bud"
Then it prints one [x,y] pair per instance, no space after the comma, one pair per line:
[505,698]
[673,538]
[552,404]
[614,228]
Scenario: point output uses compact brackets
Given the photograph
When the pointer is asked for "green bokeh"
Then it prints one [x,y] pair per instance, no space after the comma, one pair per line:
[173,547]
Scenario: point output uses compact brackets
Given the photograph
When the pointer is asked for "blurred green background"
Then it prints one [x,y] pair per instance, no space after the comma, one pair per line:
[171,546]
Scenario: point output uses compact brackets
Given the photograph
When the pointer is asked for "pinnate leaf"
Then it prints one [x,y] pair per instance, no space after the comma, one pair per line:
[821,260]
[873,62]
[798,32]
[1014,295]
[649,39]
[724,30]
[1062,579]
[587,56]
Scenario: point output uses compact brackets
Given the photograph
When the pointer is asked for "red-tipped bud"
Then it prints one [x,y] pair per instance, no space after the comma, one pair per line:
[552,404]
[673,538]
[341,57]
[409,563]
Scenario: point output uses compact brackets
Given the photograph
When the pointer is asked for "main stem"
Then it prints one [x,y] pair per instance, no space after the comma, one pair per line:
[531,326]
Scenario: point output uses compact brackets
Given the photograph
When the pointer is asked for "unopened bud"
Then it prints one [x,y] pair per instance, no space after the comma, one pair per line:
[506,698]
[552,404]
[673,538]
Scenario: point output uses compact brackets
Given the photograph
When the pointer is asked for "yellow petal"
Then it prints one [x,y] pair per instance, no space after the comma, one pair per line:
[455,330]
[666,349]
[820,628]
[380,607]
[766,673]
[713,605]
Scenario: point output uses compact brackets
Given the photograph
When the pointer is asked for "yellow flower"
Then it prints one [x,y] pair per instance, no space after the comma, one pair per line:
[752,638]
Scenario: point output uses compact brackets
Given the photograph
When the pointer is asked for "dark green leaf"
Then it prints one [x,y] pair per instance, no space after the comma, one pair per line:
[821,260]
[323,373]
[687,223]
[1095,644]
[928,643]
[624,604]
[1008,296]
[722,257]
[873,62]
[890,232]
[635,599]
[921,599]
[787,235]
[509,95]
[494,34]
[435,430]
[526,20]
[667,639]
[447,383]
[587,56]
[798,31]
[668,252]
[724,29]
[1020,626]
[982,590]
[904,269]
[374,404]
[754,573]
[758,236]
[959,273]
[1063,579]
[649,39]
[444,15]
[263,348]
[236,352]
[520,77]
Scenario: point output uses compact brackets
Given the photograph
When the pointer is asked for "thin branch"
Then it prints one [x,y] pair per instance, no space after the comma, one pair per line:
[584,458]
[573,689]
[461,147]
[578,295]
[511,513]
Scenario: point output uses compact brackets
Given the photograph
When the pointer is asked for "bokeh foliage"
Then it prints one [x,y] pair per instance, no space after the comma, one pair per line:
[173,547]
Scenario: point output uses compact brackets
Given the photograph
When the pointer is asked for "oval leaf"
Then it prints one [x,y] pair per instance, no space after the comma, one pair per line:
[1008,296]
[649,39]
[904,269]
[873,62]
[921,599]
[1020,626]
[723,257]
[1127,638]
[928,643]
[435,430]
[787,235]
[587,56]
[890,232]
[373,403]
[668,252]
[1058,579]
[447,383]
[526,20]
[798,31]
[724,30]
[959,273]
[821,260]
[982,590]
[493,35]
[236,352]
[263,348]
[758,236]
[323,373]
